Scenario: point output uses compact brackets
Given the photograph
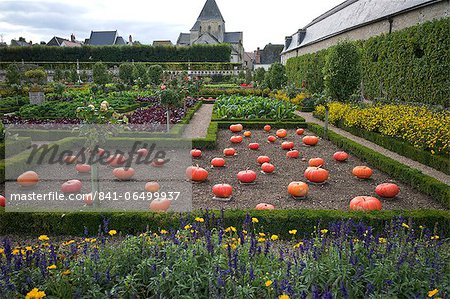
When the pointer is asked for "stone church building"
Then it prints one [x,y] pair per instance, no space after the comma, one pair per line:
[210,29]
[360,20]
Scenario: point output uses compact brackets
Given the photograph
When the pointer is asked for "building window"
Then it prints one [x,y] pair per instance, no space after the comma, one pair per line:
[209,28]
[220,27]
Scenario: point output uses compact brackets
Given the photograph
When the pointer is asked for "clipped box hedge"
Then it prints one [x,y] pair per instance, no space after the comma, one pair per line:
[275,221]
[416,179]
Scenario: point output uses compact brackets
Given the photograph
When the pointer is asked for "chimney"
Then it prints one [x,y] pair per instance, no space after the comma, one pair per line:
[258,56]
[287,41]
[72,38]
[301,36]
[130,39]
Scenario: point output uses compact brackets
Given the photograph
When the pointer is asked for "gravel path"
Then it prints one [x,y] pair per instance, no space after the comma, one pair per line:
[440,176]
[198,126]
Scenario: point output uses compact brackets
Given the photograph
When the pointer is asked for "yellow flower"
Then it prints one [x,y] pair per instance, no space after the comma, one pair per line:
[15,251]
[255,220]
[435,237]
[283,297]
[51,267]
[298,245]
[187,226]
[163,232]
[274,237]
[323,231]
[432,293]
[293,232]
[229,229]
[2,250]
[244,232]
[268,283]
[421,227]
[93,240]
[261,240]
[199,219]
[67,272]
[43,238]
[35,294]
[262,234]
[68,242]
[112,232]
[405,225]
[29,248]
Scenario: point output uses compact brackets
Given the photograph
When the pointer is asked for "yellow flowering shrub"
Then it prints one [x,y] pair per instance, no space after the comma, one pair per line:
[419,126]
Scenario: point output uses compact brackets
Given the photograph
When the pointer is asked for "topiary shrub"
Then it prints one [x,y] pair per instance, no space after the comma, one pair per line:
[100,73]
[342,71]
[276,76]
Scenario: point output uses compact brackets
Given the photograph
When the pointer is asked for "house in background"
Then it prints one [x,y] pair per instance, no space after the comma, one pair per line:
[21,42]
[105,38]
[62,42]
[368,18]
[210,29]
[166,43]
[266,57]
[249,60]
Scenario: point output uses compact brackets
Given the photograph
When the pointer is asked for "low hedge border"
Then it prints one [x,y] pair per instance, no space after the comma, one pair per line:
[275,221]
[402,148]
[210,141]
[416,179]
[14,146]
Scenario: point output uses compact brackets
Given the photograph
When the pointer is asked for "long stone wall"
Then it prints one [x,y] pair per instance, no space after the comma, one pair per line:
[408,19]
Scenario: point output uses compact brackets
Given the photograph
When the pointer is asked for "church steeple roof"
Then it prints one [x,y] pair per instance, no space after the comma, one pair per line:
[210,11]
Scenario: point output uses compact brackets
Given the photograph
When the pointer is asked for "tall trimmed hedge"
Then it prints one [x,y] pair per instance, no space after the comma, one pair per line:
[307,69]
[410,65]
[196,53]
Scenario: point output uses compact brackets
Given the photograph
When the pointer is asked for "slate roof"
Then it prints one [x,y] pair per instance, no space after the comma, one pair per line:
[349,15]
[210,11]
[184,39]
[104,38]
[56,41]
[233,37]
[271,54]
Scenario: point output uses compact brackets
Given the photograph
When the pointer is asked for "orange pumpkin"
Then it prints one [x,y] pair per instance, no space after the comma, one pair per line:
[196,174]
[362,172]
[300,131]
[28,179]
[287,145]
[2,201]
[160,205]
[87,199]
[267,128]
[387,190]
[267,168]
[316,174]
[218,162]
[70,159]
[236,139]
[222,190]
[263,159]
[316,162]
[116,160]
[236,128]
[310,140]
[123,174]
[247,134]
[229,152]
[298,189]
[83,168]
[253,146]
[281,133]
[293,154]
[196,153]
[271,139]
[365,203]
[340,156]
[264,206]
[152,187]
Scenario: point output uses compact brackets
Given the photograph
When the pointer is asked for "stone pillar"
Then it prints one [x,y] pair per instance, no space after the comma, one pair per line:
[36,97]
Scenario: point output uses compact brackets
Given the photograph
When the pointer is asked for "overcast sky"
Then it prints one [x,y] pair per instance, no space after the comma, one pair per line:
[262,21]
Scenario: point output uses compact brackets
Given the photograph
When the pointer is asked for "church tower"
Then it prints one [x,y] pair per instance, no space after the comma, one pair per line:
[210,25]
